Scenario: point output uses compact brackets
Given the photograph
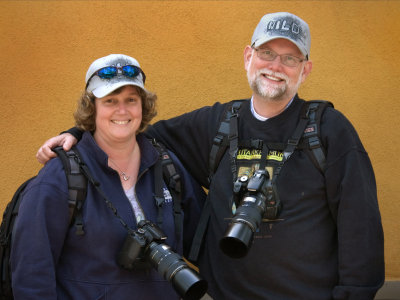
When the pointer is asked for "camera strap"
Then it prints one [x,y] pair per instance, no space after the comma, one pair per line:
[311,134]
[233,138]
[158,192]
[96,184]
[227,134]
[166,171]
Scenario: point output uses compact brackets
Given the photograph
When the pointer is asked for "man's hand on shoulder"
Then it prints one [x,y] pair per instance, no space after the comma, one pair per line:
[65,140]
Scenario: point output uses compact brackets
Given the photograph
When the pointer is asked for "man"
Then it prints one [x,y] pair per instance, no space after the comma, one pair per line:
[325,239]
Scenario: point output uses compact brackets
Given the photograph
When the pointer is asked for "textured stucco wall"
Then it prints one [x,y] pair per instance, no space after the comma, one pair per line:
[192,52]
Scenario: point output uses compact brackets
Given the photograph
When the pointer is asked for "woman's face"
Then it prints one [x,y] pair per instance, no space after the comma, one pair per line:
[118,115]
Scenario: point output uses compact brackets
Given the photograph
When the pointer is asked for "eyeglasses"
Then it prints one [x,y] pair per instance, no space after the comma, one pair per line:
[112,71]
[286,59]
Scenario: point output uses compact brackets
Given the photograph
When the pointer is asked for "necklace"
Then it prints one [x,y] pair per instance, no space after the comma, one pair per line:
[121,173]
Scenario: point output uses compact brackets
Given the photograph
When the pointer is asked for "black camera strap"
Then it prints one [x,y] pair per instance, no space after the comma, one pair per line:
[306,127]
[227,134]
[233,138]
[264,153]
[158,192]
[96,184]
[292,143]
[165,170]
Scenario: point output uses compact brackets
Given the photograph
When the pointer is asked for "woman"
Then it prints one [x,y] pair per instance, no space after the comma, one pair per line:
[49,261]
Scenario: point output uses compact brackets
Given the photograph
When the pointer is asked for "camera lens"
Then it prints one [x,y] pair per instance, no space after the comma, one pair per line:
[239,235]
[236,241]
[174,269]
[186,282]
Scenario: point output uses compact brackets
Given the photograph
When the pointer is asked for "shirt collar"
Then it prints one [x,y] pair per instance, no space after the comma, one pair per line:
[259,117]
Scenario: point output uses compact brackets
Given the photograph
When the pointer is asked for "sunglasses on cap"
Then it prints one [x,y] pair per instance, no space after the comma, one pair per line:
[112,71]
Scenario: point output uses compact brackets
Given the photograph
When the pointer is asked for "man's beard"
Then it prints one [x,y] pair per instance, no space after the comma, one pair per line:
[270,91]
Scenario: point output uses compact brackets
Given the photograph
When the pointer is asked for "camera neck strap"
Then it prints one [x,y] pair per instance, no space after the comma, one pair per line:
[233,137]
[229,127]
[96,184]
[165,171]
[298,133]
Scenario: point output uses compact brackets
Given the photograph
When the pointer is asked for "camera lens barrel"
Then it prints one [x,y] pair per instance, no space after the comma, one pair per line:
[188,284]
[236,241]
[173,268]
[239,235]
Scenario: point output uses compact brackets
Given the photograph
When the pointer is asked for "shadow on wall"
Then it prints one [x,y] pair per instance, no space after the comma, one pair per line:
[389,291]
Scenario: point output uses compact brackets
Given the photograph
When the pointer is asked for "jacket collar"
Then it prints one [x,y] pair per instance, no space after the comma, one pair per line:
[148,154]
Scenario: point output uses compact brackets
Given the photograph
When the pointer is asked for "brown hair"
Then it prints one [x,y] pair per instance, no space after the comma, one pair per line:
[85,114]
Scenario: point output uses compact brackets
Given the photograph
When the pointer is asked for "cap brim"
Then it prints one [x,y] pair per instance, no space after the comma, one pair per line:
[103,87]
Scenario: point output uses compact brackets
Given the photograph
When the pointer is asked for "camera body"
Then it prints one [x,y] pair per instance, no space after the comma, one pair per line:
[133,252]
[259,200]
[144,248]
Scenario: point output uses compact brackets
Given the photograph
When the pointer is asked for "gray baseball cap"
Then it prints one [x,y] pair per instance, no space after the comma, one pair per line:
[283,25]
[101,87]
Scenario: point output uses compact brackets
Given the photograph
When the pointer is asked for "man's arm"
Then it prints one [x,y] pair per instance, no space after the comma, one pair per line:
[189,137]
[66,140]
[352,196]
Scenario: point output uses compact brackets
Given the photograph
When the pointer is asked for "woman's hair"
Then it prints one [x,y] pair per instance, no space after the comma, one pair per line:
[85,114]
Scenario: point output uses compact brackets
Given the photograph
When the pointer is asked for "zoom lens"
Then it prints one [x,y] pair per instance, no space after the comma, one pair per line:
[239,235]
[173,268]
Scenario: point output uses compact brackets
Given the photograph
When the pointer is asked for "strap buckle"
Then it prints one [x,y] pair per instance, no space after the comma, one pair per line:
[293,142]
[314,142]
[218,139]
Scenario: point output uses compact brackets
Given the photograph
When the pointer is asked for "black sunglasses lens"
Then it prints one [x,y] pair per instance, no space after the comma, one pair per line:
[107,72]
[130,71]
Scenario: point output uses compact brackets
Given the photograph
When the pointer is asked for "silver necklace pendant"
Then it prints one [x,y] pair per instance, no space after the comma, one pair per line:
[124,176]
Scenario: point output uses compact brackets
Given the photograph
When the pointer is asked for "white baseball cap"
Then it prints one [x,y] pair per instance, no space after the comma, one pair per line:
[124,70]
[283,25]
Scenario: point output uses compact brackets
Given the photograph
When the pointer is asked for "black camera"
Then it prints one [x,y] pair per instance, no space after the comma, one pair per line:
[144,247]
[260,200]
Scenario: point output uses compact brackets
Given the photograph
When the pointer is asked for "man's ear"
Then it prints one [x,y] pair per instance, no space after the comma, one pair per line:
[306,70]
[247,55]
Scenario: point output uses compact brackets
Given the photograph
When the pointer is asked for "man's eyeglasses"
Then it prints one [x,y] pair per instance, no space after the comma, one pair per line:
[286,59]
[110,72]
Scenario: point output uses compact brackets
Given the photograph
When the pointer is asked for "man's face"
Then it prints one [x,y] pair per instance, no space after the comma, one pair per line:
[272,80]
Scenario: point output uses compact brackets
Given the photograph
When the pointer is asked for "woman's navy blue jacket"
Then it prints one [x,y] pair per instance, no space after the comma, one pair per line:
[49,261]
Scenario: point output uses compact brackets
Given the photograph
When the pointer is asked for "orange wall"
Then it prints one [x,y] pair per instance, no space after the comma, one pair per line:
[191,52]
